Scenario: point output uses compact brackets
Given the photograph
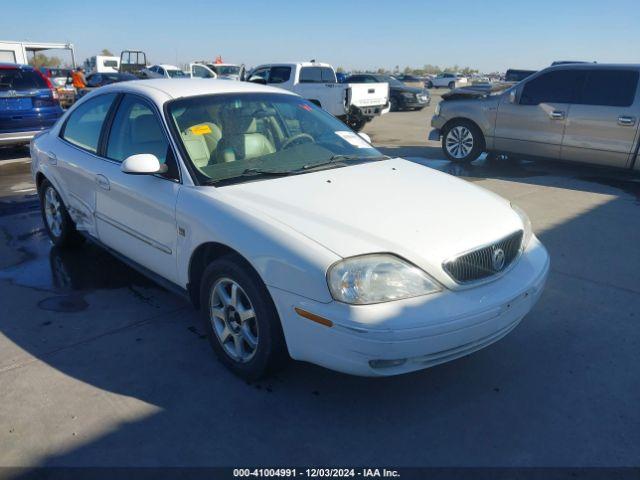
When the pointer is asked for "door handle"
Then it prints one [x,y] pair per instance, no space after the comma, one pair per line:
[103,182]
[626,121]
[556,115]
[53,159]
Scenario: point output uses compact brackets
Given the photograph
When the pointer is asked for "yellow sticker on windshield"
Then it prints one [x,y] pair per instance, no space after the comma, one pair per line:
[200,129]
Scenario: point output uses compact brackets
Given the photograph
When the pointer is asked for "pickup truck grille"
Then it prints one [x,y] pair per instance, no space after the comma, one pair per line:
[486,261]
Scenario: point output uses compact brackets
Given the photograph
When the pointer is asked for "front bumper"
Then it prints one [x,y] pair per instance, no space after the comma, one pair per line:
[437,122]
[414,333]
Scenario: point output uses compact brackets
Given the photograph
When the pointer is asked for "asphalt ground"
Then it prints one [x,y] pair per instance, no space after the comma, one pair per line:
[101,367]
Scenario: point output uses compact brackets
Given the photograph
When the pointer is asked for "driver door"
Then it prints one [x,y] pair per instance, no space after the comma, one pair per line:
[135,214]
[533,122]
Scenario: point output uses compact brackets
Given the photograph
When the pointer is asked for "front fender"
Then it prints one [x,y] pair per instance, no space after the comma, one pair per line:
[283,258]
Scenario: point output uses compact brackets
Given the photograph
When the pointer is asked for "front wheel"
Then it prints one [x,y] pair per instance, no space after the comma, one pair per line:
[241,320]
[462,142]
[452,85]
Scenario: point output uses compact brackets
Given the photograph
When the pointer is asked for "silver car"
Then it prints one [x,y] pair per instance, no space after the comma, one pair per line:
[575,112]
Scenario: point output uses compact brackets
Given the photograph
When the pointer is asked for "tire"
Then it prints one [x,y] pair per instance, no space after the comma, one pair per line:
[251,347]
[429,84]
[356,122]
[57,222]
[393,105]
[462,141]
[452,85]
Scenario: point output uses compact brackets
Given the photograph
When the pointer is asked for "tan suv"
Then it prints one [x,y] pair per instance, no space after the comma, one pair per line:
[578,112]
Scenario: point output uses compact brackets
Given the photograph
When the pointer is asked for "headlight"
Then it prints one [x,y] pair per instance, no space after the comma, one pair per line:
[526,223]
[377,278]
[437,110]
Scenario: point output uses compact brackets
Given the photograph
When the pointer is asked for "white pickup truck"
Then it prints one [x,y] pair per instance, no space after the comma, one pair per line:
[353,103]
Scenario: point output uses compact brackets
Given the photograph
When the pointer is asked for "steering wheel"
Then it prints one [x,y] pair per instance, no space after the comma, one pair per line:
[296,138]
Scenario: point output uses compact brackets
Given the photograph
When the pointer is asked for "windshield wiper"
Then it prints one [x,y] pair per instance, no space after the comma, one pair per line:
[250,172]
[336,159]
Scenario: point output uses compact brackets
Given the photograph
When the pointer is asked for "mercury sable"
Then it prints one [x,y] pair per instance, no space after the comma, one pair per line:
[291,233]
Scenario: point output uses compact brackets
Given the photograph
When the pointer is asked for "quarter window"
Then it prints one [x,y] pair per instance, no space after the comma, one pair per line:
[614,88]
[559,86]
[85,122]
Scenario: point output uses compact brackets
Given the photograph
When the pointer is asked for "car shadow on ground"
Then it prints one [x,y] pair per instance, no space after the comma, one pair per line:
[527,400]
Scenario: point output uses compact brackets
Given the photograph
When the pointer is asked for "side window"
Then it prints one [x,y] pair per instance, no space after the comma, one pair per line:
[279,74]
[200,72]
[260,73]
[614,88]
[310,75]
[559,86]
[328,75]
[369,80]
[137,129]
[161,71]
[85,122]
[355,79]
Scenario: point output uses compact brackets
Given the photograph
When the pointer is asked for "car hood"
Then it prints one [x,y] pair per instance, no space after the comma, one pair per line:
[475,92]
[415,212]
[415,90]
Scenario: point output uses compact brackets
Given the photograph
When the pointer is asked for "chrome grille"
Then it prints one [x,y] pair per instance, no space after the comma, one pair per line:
[485,261]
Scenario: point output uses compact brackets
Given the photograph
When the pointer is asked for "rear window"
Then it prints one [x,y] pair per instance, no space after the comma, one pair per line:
[317,75]
[614,88]
[15,79]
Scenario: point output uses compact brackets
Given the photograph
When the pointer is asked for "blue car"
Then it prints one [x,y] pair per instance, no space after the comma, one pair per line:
[28,103]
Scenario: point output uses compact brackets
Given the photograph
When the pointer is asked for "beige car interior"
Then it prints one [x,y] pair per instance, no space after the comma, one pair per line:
[238,134]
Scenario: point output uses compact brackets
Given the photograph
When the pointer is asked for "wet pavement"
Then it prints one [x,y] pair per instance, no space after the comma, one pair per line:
[100,366]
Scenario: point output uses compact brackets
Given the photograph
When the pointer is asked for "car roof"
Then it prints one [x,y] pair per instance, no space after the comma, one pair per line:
[164,89]
[166,66]
[293,64]
[16,65]
[594,66]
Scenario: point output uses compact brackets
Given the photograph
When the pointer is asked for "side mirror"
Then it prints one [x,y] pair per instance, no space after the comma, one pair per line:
[258,80]
[365,137]
[142,164]
[513,96]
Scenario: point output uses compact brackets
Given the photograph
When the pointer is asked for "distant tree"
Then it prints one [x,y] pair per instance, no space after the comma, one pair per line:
[41,60]
[381,71]
[106,52]
[339,70]
[408,70]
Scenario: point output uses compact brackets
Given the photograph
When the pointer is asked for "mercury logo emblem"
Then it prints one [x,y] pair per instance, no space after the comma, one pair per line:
[498,259]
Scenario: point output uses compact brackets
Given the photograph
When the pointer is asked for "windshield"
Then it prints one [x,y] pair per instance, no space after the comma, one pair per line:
[226,69]
[231,138]
[176,73]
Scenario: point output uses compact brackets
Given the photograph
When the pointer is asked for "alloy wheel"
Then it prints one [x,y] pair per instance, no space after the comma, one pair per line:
[234,320]
[53,211]
[459,142]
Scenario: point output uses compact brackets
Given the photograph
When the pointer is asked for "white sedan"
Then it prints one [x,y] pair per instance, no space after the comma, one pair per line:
[291,233]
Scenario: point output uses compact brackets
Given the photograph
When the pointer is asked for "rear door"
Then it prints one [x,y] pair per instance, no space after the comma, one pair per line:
[319,84]
[534,124]
[77,158]
[603,121]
